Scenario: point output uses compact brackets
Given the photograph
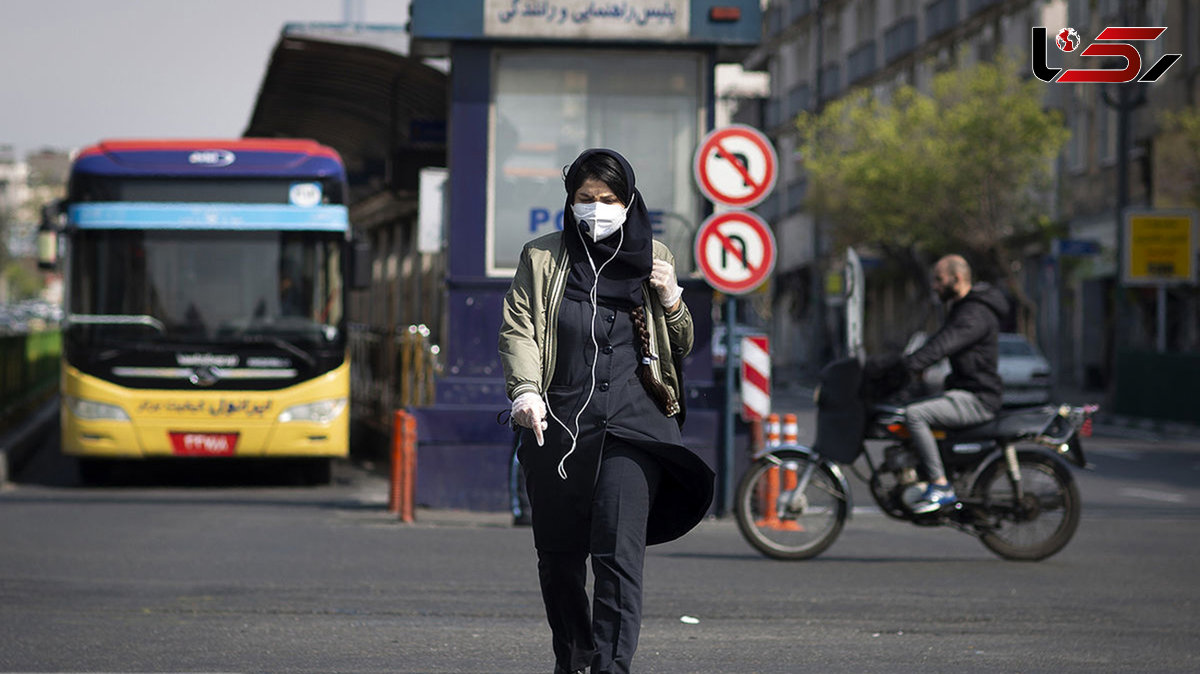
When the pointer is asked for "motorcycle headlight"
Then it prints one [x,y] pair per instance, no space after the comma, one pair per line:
[94,411]
[321,412]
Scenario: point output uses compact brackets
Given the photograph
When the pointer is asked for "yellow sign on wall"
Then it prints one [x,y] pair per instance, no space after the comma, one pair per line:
[1160,247]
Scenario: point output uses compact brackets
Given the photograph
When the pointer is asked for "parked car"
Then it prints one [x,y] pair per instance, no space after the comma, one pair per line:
[1025,372]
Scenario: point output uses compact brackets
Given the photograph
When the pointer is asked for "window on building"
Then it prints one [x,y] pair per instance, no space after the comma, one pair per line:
[1077,13]
[550,105]
[864,21]
[801,69]
[1191,35]
[1106,130]
[832,45]
[1077,117]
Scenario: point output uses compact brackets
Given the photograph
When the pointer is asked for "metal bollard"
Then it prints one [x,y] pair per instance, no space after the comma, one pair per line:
[770,493]
[402,498]
[779,480]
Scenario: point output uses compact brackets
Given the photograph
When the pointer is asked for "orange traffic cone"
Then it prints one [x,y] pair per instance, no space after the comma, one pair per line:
[770,498]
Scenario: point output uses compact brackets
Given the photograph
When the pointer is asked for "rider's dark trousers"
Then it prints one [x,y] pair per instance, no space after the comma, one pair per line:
[606,636]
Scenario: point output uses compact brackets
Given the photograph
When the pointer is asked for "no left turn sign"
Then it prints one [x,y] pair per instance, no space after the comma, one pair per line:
[736,166]
[736,251]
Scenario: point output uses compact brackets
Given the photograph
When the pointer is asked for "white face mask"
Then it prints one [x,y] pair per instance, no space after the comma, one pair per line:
[600,220]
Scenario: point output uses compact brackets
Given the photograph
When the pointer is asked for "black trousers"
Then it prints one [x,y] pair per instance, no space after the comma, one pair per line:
[606,636]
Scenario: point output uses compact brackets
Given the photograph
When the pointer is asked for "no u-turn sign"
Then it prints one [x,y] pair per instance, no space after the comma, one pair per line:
[736,166]
[736,251]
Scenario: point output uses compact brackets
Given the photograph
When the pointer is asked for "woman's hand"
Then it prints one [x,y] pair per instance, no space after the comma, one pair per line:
[662,279]
[529,410]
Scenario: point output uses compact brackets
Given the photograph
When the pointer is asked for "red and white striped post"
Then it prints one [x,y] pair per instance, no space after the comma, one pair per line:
[756,378]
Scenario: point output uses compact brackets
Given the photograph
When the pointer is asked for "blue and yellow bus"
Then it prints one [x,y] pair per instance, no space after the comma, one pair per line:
[205,293]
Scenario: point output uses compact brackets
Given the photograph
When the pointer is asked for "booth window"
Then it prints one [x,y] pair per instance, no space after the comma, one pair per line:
[550,105]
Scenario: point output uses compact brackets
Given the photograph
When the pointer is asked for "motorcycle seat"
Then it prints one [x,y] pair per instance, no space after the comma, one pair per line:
[1007,425]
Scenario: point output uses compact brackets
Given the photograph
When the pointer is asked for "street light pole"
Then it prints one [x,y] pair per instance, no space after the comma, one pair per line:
[1124,103]
[816,281]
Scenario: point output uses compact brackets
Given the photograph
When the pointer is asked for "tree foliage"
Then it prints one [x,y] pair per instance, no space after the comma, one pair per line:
[958,169]
[1180,185]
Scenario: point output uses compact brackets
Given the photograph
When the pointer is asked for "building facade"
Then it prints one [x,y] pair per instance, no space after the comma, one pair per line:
[816,51]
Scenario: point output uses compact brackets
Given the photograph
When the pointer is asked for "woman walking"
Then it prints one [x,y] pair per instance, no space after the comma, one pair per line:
[593,331]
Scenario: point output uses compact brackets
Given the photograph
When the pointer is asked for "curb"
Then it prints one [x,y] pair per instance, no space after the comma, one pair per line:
[18,443]
[1137,428]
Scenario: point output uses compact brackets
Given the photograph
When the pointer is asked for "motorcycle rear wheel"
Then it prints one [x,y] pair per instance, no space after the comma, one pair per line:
[783,522]
[1044,520]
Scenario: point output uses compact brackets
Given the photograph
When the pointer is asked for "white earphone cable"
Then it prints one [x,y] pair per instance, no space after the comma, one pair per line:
[574,435]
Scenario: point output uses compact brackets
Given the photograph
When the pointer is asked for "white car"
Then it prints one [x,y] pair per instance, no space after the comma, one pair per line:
[1024,371]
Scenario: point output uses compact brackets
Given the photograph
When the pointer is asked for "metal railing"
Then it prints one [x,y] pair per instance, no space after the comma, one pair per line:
[29,365]
[391,369]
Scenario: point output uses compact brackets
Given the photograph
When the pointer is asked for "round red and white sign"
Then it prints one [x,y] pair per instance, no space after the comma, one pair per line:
[736,251]
[736,166]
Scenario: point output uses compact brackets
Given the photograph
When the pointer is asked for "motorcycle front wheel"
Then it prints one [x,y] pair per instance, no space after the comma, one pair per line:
[784,519]
[1039,523]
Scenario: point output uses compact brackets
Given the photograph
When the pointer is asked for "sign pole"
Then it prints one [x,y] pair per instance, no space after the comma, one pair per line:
[1161,341]
[730,417]
[735,166]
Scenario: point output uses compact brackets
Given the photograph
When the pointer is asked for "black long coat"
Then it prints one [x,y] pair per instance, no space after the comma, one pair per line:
[619,406]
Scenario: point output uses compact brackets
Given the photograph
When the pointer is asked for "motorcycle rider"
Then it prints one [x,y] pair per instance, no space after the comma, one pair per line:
[973,388]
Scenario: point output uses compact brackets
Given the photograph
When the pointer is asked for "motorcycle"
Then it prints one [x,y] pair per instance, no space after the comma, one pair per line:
[1016,493]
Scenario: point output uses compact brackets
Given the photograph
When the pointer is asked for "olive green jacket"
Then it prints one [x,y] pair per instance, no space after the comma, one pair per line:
[529,325]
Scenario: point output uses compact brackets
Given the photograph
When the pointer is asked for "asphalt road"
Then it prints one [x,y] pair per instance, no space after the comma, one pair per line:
[242,573]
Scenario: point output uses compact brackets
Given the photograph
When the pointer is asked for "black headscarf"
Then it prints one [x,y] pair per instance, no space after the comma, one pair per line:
[621,280]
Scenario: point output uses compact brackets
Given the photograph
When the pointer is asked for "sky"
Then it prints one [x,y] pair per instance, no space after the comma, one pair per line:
[73,72]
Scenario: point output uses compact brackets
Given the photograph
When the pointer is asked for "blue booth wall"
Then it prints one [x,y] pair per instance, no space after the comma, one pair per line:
[464,453]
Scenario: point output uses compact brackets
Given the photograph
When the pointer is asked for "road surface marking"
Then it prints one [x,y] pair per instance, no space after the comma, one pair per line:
[1152,495]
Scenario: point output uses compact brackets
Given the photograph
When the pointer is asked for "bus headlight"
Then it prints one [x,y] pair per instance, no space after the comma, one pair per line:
[94,411]
[321,412]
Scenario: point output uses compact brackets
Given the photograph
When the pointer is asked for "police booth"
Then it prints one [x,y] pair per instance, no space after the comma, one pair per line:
[532,84]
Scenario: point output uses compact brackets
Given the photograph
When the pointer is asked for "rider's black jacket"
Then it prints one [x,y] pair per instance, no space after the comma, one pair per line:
[968,339]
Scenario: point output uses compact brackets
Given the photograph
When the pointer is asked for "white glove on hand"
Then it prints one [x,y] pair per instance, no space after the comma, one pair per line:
[662,279]
[529,410]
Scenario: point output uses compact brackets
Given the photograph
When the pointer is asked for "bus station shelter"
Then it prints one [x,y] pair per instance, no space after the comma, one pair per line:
[532,84]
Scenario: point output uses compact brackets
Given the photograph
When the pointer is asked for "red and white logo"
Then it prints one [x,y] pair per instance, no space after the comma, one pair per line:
[1067,39]
[1114,41]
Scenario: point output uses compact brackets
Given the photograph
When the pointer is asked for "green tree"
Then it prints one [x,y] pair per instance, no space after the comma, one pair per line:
[958,169]
[1180,149]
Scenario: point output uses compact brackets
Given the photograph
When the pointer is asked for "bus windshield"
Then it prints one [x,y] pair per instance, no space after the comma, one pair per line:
[214,287]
